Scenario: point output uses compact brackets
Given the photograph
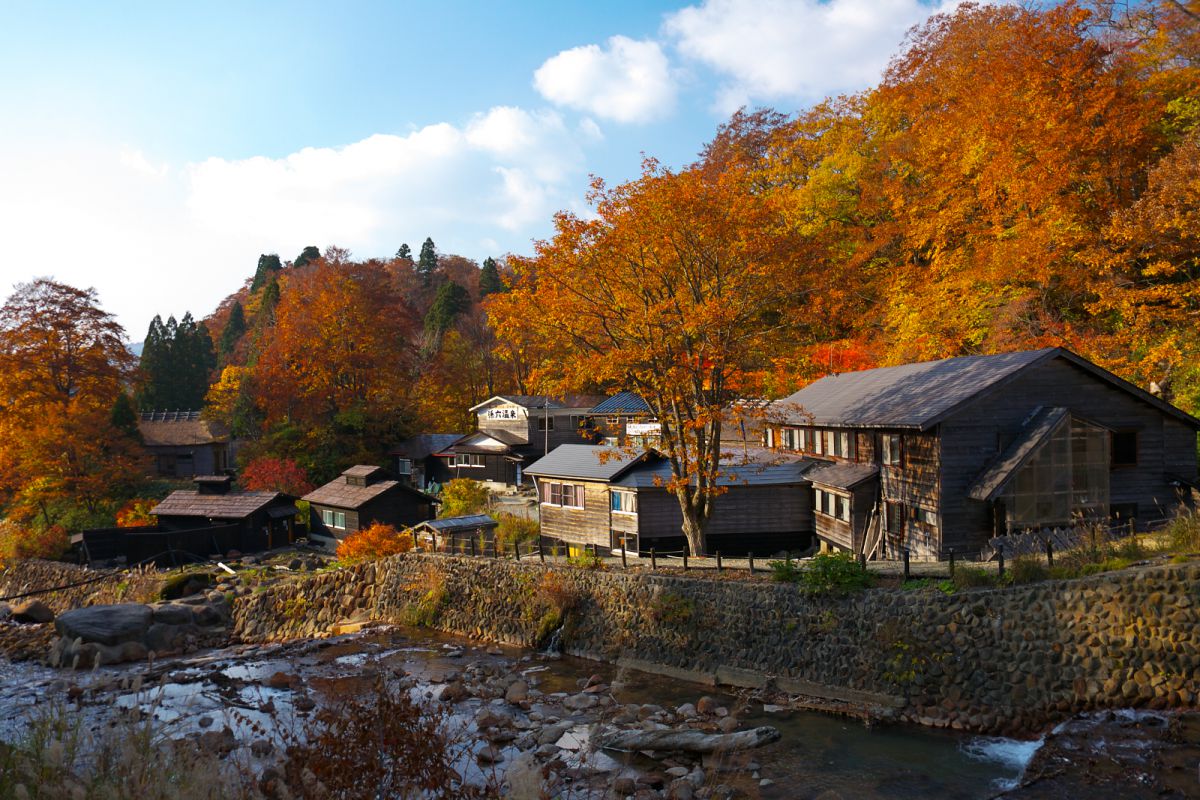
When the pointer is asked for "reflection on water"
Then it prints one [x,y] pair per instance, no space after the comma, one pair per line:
[817,756]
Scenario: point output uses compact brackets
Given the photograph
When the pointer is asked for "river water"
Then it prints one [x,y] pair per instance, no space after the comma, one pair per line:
[818,756]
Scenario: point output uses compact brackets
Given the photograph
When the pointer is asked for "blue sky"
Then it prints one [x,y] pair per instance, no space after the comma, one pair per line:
[153,150]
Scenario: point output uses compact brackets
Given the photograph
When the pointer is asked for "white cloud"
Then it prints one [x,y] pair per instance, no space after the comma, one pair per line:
[163,238]
[625,81]
[796,50]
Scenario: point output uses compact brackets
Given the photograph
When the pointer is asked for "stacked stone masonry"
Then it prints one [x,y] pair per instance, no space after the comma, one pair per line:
[1004,660]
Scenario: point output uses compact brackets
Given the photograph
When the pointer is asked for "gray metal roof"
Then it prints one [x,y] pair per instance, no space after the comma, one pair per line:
[1036,430]
[840,475]
[907,396]
[622,403]
[586,462]
[918,396]
[234,505]
[469,522]
[652,474]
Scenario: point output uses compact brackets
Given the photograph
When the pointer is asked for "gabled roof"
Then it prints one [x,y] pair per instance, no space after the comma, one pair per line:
[919,396]
[581,401]
[453,524]
[339,494]
[363,471]
[1037,429]
[486,442]
[587,462]
[424,445]
[180,429]
[622,403]
[234,505]
[837,475]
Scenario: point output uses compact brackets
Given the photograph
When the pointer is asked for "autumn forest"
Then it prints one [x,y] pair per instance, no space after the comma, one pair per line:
[1019,178]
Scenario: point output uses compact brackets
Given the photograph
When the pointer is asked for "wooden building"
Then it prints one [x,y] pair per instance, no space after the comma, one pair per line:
[182,445]
[260,520]
[948,454]
[513,431]
[360,497]
[625,419]
[611,499]
[423,461]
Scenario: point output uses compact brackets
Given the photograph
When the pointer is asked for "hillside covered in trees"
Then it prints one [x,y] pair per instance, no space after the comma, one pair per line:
[1020,177]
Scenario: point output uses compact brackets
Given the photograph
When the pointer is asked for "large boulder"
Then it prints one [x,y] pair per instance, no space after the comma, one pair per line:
[109,625]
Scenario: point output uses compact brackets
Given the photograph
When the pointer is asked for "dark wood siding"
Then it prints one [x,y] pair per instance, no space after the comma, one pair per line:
[916,483]
[762,519]
[977,432]
[849,535]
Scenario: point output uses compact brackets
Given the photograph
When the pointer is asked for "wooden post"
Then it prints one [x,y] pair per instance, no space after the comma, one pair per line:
[750,558]
[495,546]
[718,562]
[862,561]
[1000,558]
[472,547]
[653,560]
[1049,553]
[685,559]
[541,552]
[623,564]
[517,550]
[433,539]
[951,562]
[906,572]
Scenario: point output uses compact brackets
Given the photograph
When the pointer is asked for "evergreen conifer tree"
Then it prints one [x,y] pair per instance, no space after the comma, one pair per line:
[268,265]
[427,263]
[489,278]
[404,252]
[309,254]
[451,300]
[234,328]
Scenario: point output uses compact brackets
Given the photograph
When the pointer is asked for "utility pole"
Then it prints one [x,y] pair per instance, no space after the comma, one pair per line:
[546,424]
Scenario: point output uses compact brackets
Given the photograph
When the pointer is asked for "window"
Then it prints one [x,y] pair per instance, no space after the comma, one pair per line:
[333,519]
[612,422]
[924,516]
[468,460]
[1124,448]
[891,449]
[562,494]
[895,517]
[625,540]
[818,440]
[841,507]
[404,466]
[545,423]
[829,437]
[623,502]
[832,504]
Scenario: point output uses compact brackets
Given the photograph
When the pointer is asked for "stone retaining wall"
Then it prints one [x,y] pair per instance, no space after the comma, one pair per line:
[113,586]
[1004,660]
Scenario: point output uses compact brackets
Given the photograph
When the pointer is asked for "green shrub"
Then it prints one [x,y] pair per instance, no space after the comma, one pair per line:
[1183,534]
[784,571]
[463,496]
[669,608]
[973,577]
[513,528]
[834,573]
[586,560]
[1027,569]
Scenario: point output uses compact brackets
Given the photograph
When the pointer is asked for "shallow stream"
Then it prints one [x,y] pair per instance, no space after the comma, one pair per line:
[817,756]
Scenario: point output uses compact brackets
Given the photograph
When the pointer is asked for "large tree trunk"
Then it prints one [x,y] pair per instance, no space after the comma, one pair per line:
[694,526]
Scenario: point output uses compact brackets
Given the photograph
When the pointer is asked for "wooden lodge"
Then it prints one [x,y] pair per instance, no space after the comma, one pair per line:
[515,430]
[360,497]
[611,499]
[182,445]
[458,534]
[948,454]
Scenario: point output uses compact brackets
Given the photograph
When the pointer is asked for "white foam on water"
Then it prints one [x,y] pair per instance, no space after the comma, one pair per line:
[1012,753]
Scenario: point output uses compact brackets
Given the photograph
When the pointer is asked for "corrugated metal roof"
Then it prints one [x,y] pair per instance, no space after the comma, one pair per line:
[235,505]
[1040,426]
[840,475]
[622,403]
[644,476]
[907,396]
[450,524]
[586,462]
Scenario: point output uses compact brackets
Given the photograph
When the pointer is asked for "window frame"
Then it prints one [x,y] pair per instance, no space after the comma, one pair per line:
[617,502]
[891,455]
[404,466]
[1113,463]
[557,493]
[545,423]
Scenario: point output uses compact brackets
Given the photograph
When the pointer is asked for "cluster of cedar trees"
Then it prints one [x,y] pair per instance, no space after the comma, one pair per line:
[1020,177]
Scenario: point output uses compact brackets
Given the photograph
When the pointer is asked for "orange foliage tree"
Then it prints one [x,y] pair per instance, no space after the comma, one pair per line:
[63,364]
[671,291]
[268,474]
[375,541]
[136,513]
